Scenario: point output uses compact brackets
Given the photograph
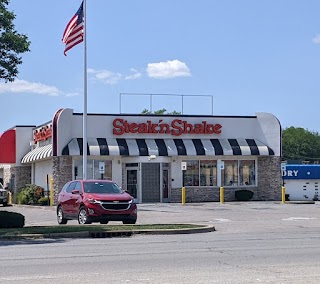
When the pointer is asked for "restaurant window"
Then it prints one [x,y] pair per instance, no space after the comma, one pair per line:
[235,173]
[208,173]
[239,173]
[93,170]
[107,174]
[247,172]
[230,173]
[191,174]
[200,173]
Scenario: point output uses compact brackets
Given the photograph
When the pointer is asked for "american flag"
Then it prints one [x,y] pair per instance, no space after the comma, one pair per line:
[73,33]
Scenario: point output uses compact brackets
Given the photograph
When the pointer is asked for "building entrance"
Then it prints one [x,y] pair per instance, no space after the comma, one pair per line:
[132,180]
[148,182]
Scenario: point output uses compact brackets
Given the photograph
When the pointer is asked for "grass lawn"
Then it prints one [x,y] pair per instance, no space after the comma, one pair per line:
[91,228]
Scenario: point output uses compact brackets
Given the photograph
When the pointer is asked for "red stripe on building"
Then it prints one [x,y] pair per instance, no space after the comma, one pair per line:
[8,147]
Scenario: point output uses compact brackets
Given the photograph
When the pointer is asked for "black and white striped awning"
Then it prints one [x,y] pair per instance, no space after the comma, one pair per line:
[39,153]
[167,147]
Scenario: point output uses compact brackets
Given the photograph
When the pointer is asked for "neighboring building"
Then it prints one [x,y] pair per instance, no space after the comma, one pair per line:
[152,156]
[14,144]
[301,182]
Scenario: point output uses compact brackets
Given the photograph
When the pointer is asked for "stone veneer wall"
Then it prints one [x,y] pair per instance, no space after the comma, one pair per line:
[269,186]
[22,177]
[205,194]
[16,178]
[8,174]
[62,173]
[269,178]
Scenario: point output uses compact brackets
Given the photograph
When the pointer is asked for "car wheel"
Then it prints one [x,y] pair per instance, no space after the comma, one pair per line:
[104,222]
[5,204]
[60,217]
[129,221]
[83,217]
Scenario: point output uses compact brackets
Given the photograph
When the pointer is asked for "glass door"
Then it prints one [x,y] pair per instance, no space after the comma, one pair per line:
[165,182]
[132,181]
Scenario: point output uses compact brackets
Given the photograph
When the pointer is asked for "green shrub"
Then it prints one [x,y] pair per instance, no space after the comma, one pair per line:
[30,194]
[11,220]
[22,197]
[44,201]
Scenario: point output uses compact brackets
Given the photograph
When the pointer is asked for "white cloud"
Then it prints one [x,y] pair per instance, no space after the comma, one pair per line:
[161,70]
[169,69]
[22,86]
[112,78]
[316,39]
[74,94]
[135,74]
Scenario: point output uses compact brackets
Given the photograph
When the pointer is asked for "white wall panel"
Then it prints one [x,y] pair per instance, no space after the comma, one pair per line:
[42,169]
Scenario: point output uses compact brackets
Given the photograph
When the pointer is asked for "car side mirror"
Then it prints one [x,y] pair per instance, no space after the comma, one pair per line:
[75,191]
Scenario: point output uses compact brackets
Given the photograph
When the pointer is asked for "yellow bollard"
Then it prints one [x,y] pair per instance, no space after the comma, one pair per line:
[51,191]
[9,197]
[183,195]
[221,194]
[283,194]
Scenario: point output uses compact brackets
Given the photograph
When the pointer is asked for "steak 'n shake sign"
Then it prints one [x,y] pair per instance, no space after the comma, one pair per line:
[176,127]
[43,133]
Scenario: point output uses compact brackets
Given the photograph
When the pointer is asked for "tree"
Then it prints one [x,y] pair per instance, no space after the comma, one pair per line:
[162,111]
[300,144]
[11,44]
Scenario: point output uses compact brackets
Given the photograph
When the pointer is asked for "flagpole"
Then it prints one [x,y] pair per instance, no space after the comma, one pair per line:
[84,155]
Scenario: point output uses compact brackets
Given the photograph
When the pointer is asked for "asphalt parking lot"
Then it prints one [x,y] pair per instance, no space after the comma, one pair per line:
[226,217]
[236,216]
[254,242]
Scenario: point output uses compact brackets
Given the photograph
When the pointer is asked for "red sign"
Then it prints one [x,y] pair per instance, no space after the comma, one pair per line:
[177,127]
[43,133]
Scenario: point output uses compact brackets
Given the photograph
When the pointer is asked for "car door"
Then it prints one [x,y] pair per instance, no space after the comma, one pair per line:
[69,199]
[63,197]
[76,198]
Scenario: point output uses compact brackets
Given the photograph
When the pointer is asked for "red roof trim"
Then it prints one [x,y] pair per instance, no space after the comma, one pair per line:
[8,147]
[55,132]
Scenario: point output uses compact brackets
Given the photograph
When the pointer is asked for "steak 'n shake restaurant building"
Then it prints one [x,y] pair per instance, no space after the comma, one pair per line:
[151,156]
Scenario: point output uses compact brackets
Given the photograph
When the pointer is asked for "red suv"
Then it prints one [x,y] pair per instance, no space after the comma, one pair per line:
[95,201]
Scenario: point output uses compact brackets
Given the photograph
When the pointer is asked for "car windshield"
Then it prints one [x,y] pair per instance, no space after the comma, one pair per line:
[102,187]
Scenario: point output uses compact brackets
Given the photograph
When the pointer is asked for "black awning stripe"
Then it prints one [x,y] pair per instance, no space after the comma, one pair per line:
[162,148]
[235,147]
[180,147]
[217,147]
[123,146]
[80,144]
[253,147]
[103,145]
[143,148]
[199,147]
[271,152]
[65,151]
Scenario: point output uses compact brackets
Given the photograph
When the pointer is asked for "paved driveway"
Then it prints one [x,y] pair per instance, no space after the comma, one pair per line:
[227,217]
[255,242]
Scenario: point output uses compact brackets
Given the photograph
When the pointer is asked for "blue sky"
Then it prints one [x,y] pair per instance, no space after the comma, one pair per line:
[249,56]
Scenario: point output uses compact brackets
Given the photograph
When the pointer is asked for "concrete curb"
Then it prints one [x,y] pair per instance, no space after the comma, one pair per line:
[204,229]
[111,234]
[300,202]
